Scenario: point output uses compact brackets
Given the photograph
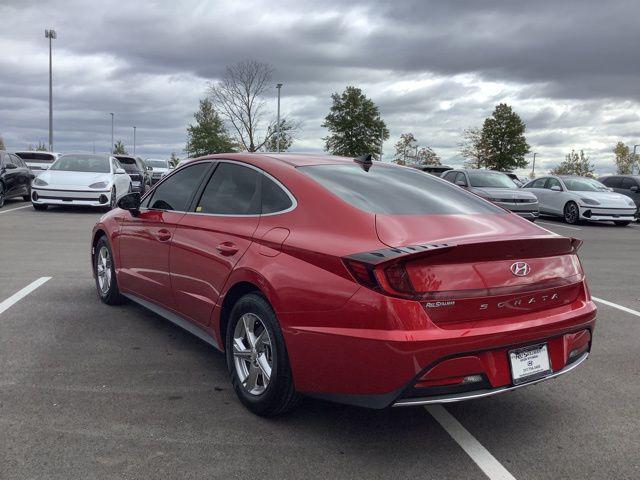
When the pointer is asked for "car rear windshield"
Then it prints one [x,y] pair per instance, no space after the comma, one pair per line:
[82,163]
[490,180]
[36,157]
[584,185]
[392,190]
[157,163]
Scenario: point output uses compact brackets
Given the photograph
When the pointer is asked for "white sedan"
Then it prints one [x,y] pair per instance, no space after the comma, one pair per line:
[578,198]
[81,179]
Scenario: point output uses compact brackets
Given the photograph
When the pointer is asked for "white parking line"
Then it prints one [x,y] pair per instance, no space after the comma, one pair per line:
[12,209]
[558,225]
[480,455]
[615,305]
[20,294]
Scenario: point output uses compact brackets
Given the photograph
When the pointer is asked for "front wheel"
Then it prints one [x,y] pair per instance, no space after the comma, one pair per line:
[622,223]
[257,358]
[571,213]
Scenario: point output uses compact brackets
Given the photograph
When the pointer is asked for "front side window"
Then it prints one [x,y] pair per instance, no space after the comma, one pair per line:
[81,163]
[176,191]
[627,183]
[232,190]
[392,190]
[553,182]
[612,182]
[538,183]
[461,180]
[449,176]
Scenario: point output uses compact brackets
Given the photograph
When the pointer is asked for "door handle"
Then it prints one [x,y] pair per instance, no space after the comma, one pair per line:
[163,235]
[227,249]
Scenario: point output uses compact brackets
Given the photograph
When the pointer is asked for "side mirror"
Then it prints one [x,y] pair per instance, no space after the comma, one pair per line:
[461,183]
[10,166]
[120,171]
[634,188]
[130,202]
[171,167]
[556,188]
[149,168]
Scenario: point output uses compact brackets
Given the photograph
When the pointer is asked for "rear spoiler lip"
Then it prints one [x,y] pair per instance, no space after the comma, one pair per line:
[415,252]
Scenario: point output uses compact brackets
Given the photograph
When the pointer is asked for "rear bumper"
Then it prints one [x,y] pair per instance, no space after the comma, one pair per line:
[87,198]
[428,363]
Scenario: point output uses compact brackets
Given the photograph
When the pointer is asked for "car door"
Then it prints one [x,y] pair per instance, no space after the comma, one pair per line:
[210,239]
[631,189]
[555,200]
[537,188]
[10,176]
[145,238]
[24,175]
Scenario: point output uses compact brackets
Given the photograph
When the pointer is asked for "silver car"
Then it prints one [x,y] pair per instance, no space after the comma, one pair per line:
[81,179]
[498,188]
[579,198]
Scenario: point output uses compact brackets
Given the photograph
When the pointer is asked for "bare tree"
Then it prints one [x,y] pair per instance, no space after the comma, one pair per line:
[239,99]
[474,148]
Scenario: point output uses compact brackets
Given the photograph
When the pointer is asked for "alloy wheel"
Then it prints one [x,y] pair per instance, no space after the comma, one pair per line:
[252,354]
[103,270]
[571,213]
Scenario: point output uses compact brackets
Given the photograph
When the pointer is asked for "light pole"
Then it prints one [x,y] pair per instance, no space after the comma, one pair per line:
[278,86]
[51,35]
[533,170]
[633,159]
[111,147]
[134,140]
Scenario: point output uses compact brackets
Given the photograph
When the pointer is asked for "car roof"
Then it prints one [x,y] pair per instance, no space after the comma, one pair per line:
[292,159]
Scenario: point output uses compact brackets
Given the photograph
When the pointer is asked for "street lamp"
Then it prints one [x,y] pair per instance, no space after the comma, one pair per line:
[533,170]
[51,35]
[111,148]
[278,86]
[134,140]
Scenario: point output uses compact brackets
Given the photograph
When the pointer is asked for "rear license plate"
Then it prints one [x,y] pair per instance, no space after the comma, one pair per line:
[529,363]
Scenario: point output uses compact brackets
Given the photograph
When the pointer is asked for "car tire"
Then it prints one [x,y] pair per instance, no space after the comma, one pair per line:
[38,206]
[259,365]
[27,197]
[105,274]
[571,213]
[112,200]
[1,194]
[622,223]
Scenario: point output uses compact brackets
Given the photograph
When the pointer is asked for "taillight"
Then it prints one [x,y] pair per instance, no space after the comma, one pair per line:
[362,273]
[392,280]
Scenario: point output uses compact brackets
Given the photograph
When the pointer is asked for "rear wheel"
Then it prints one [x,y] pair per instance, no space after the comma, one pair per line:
[622,223]
[105,272]
[1,194]
[571,213]
[257,358]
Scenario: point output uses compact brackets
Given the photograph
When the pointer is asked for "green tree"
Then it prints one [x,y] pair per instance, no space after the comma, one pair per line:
[42,147]
[474,148]
[503,135]
[354,124]
[405,148]
[174,159]
[575,164]
[426,156]
[119,148]
[208,135]
[624,162]
[288,129]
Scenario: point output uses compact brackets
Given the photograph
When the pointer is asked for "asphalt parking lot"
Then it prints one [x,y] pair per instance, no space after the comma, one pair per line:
[90,391]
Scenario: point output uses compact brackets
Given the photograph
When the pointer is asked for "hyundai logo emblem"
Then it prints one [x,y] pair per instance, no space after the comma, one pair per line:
[520,269]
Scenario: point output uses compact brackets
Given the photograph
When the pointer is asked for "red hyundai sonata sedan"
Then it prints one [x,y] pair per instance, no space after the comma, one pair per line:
[348,280]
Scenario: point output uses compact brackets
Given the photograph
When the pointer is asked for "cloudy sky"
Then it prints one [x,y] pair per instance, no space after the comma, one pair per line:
[570,68]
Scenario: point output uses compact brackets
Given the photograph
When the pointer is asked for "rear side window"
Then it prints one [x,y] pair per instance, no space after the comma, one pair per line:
[449,176]
[391,190]
[36,157]
[176,191]
[232,190]
[627,183]
[274,199]
[612,182]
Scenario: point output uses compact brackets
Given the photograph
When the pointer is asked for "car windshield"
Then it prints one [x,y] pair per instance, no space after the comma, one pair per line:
[157,163]
[82,163]
[491,180]
[129,164]
[394,190]
[584,185]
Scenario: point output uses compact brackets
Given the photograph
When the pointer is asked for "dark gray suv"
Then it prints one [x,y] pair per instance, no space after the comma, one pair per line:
[628,185]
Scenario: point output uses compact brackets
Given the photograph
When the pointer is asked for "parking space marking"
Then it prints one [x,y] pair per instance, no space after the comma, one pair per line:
[491,467]
[615,305]
[558,225]
[20,294]
[17,208]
